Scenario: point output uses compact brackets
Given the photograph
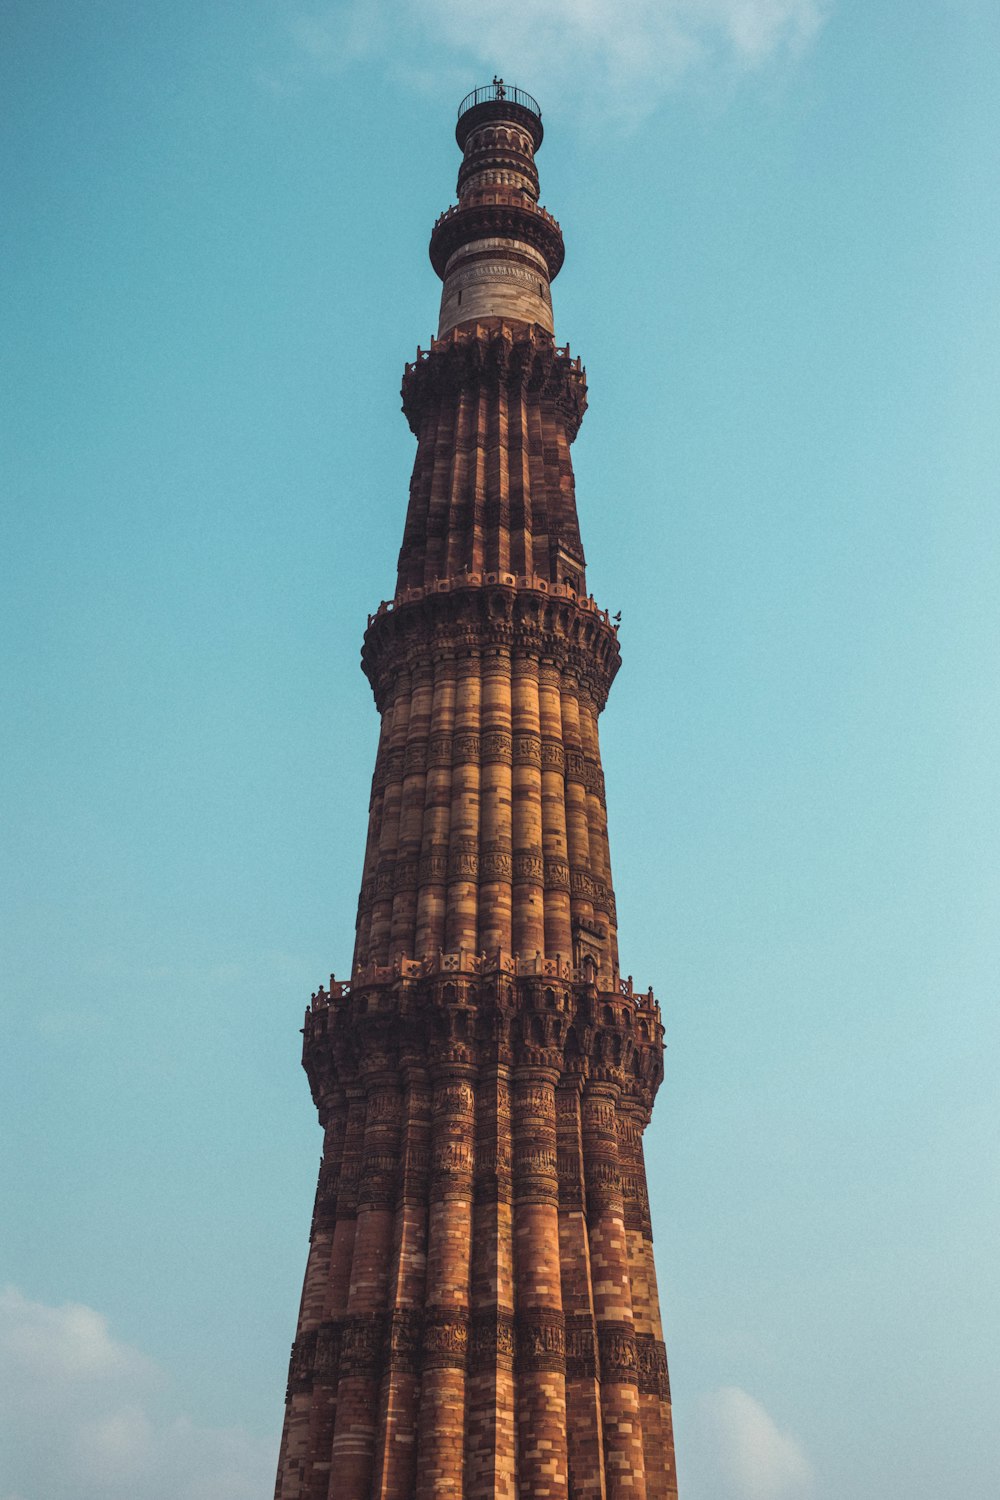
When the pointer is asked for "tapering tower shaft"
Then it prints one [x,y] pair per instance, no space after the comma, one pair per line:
[480,1318]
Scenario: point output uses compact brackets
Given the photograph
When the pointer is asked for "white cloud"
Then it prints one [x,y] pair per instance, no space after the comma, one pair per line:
[735,1451]
[82,1418]
[610,59]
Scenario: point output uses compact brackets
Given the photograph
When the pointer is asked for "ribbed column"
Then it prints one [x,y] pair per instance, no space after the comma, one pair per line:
[577,821]
[623,1455]
[410,572]
[411,814]
[315,1476]
[460,500]
[539,492]
[558,931]
[431,899]
[477,475]
[497,484]
[436,535]
[583,1390]
[324,1405]
[397,1448]
[463,838]
[654,1385]
[364,1324]
[521,541]
[541,1347]
[392,800]
[308,1411]
[597,821]
[490,1443]
[495,805]
[367,897]
[529,863]
[441,1444]
[567,529]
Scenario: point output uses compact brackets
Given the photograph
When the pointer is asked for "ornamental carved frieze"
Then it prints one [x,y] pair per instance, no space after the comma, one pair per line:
[540,1336]
[405,875]
[439,750]
[325,1207]
[361,1341]
[388,768]
[491,1340]
[581,1347]
[553,756]
[465,749]
[379,1180]
[496,746]
[636,1201]
[445,1338]
[415,758]
[576,766]
[529,868]
[416,1173]
[527,749]
[532,1162]
[456,1098]
[653,1378]
[300,1365]
[619,1357]
[326,1368]
[404,1340]
[496,866]
[571,1189]
[533,1099]
[463,860]
[434,866]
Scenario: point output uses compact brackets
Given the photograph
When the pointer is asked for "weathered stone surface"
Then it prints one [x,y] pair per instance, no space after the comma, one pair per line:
[480,1319]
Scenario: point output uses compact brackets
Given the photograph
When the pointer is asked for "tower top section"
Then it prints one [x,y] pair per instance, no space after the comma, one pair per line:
[498,101]
[496,249]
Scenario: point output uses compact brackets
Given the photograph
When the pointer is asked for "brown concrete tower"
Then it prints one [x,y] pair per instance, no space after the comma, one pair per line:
[479,1319]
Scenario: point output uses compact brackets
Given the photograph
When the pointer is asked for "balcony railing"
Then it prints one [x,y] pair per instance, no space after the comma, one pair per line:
[501,92]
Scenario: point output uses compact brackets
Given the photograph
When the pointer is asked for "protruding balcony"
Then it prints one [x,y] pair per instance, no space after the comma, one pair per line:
[498,101]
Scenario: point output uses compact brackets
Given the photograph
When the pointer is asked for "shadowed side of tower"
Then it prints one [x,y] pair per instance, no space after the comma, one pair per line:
[479,1317]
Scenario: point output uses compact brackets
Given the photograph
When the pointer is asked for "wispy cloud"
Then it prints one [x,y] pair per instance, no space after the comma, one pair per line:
[736,1451]
[81,1418]
[619,60]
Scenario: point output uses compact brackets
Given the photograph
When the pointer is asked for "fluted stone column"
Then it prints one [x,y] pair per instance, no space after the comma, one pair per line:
[490,1440]
[353,1449]
[495,858]
[529,861]
[431,899]
[654,1385]
[441,1440]
[540,1325]
[397,1450]
[623,1451]
[583,1389]
[463,840]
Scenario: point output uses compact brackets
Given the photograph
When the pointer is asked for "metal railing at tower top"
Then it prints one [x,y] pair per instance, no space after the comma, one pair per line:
[499,92]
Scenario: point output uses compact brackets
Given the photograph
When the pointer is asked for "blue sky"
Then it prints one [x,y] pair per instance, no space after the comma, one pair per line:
[781,221]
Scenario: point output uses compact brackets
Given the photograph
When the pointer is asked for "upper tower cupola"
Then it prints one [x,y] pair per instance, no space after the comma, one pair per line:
[496,250]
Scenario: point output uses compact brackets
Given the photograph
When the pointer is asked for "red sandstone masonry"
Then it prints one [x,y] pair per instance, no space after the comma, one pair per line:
[479,1317]
[539,1322]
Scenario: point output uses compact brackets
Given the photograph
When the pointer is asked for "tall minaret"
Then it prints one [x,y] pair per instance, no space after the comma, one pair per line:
[480,1316]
